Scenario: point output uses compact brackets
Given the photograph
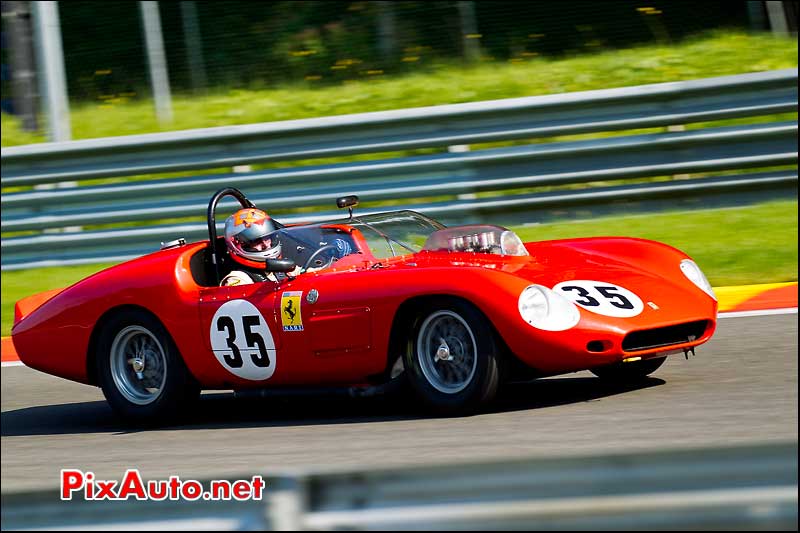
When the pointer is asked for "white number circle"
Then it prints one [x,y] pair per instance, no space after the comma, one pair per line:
[601,298]
[242,342]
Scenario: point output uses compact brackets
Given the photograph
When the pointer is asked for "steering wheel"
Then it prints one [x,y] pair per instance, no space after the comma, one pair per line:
[325,248]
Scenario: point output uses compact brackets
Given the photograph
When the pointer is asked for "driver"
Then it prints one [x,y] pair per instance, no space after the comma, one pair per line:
[251,237]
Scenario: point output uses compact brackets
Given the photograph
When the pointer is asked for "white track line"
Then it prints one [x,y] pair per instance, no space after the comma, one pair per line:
[13,363]
[737,314]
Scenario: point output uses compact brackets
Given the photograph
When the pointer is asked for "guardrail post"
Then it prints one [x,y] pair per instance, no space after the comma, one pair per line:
[287,502]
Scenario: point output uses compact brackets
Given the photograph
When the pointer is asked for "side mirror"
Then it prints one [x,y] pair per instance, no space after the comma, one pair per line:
[347,201]
[280,265]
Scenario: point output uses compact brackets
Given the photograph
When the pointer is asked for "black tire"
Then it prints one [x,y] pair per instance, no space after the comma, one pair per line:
[628,372]
[134,331]
[467,382]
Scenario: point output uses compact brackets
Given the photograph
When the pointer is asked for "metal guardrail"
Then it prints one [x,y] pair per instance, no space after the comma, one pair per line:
[729,488]
[417,179]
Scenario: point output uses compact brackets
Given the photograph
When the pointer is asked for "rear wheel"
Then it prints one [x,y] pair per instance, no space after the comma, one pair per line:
[452,357]
[140,370]
[628,372]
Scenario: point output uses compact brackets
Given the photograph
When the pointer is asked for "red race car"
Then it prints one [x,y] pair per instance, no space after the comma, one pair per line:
[364,301]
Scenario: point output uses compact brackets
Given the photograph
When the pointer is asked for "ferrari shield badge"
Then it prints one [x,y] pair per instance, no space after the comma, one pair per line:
[291,318]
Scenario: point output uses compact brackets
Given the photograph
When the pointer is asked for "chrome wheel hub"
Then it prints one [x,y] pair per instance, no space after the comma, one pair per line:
[447,351]
[443,353]
[138,365]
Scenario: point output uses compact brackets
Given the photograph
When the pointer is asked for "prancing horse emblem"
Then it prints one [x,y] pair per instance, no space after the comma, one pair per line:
[290,312]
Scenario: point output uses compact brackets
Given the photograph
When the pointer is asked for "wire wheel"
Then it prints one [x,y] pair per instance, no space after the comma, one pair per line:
[447,351]
[138,365]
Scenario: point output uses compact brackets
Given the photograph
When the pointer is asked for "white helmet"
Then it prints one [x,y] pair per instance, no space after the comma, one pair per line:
[250,236]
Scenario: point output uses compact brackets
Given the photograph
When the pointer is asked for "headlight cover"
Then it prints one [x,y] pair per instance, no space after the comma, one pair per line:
[545,309]
[511,244]
[696,276]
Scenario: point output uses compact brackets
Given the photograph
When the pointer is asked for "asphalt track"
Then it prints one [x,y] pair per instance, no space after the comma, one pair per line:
[741,388]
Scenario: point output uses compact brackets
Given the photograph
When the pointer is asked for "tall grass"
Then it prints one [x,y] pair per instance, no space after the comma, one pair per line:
[712,54]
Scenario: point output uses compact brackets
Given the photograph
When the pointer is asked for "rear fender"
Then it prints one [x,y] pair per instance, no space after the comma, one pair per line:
[29,304]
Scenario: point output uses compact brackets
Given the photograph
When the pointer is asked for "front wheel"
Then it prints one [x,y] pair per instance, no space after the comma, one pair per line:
[628,372]
[140,370]
[452,357]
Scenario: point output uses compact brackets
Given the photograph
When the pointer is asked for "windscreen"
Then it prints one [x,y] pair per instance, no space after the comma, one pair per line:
[396,233]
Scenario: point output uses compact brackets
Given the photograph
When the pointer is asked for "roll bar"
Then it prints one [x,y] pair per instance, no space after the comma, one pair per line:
[212,223]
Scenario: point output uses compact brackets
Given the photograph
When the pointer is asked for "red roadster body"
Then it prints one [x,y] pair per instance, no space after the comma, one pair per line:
[454,310]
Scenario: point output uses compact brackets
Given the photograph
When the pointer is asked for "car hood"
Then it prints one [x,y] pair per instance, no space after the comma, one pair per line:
[649,269]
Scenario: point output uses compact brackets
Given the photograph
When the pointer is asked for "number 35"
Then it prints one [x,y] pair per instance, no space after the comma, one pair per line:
[605,291]
[253,339]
